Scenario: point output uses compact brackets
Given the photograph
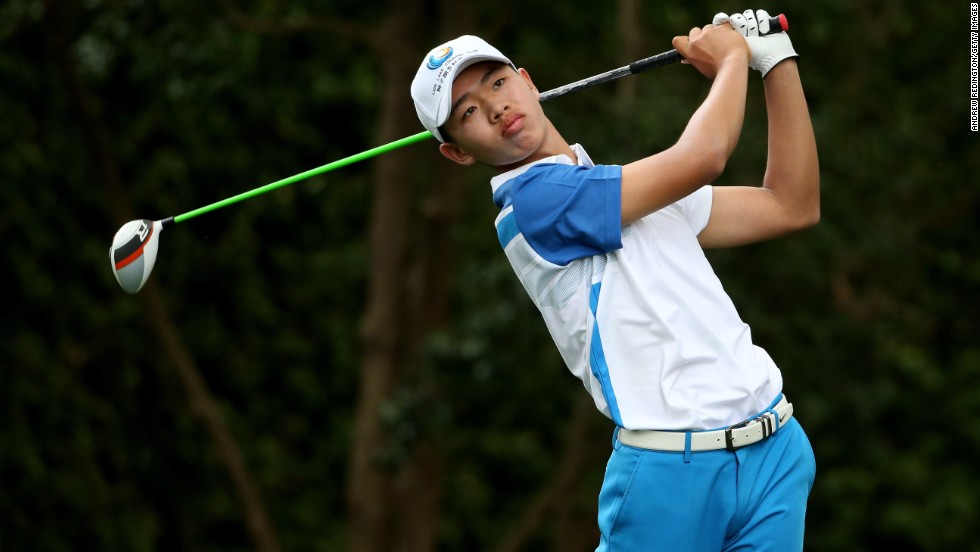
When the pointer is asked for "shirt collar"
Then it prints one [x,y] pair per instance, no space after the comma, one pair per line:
[583,161]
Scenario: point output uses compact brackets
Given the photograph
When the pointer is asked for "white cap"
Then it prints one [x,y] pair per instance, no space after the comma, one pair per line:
[432,88]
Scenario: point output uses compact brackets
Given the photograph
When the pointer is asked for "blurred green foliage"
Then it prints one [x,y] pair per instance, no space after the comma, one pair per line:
[869,314]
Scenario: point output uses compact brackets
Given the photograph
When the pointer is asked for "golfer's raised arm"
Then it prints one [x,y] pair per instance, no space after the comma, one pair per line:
[702,151]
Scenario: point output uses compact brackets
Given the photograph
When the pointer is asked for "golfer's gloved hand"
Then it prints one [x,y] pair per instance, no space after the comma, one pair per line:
[767,49]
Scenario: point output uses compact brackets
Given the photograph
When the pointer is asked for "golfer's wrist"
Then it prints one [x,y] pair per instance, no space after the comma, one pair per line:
[785,69]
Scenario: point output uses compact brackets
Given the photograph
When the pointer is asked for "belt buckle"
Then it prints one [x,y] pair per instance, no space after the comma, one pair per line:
[729,440]
[767,430]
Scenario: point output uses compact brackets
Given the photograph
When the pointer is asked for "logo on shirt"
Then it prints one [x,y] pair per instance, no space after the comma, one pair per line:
[439,57]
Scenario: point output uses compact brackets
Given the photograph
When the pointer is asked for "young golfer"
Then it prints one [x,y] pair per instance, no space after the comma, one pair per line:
[706,454]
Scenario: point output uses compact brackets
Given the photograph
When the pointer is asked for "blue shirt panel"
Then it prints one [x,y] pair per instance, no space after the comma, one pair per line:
[567,212]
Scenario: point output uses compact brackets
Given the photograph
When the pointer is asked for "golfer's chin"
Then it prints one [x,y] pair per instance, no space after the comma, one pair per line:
[524,149]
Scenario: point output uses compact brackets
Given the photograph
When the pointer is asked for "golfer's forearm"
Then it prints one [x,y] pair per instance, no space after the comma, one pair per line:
[792,169]
[714,129]
[698,157]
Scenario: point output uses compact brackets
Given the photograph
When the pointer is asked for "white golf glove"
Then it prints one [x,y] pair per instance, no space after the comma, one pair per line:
[767,49]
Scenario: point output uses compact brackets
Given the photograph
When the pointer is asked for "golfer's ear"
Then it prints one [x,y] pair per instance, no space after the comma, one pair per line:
[527,78]
[455,153]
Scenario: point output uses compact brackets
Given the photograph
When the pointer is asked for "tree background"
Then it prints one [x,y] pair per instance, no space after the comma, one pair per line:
[348,363]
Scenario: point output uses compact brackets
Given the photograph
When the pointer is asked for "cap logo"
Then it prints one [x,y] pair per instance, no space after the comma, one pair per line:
[439,57]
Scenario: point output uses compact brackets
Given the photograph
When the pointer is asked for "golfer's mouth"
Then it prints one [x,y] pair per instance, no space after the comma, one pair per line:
[513,126]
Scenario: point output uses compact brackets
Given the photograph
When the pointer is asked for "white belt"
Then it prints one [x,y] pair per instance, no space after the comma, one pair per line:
[730,438]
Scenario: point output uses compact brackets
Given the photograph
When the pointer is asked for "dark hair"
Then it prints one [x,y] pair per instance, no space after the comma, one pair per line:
[445,135]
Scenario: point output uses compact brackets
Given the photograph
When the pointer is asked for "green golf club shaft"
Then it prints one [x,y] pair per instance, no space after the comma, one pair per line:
[400,143]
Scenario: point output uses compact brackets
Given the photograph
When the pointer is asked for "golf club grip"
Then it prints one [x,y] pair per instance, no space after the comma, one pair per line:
[777,24]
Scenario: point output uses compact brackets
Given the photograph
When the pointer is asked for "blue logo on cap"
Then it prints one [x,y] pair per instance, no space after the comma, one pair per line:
[439,57]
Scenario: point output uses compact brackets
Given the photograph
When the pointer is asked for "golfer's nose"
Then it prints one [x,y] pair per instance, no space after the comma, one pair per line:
[498,109]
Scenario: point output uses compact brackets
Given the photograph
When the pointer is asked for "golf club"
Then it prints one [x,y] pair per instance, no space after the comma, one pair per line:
[134,246]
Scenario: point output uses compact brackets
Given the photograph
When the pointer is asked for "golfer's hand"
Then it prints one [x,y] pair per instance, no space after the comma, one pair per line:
[710,47]
[767,49]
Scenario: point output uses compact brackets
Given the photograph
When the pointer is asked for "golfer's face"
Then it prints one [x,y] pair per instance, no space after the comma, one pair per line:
[496,116]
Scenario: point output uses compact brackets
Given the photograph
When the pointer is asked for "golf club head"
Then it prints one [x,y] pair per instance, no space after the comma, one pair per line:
[133,252]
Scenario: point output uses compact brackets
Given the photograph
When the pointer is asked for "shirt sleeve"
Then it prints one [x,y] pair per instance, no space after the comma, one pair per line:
[696,208]
[567,212]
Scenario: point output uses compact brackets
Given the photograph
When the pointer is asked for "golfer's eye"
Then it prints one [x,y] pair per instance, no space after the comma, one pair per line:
[469,111]
[498,83]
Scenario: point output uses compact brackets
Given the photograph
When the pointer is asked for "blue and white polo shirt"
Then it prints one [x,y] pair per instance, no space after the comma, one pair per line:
[637,312]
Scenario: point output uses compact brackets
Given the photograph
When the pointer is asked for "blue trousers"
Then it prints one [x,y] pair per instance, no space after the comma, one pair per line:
[751,499]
